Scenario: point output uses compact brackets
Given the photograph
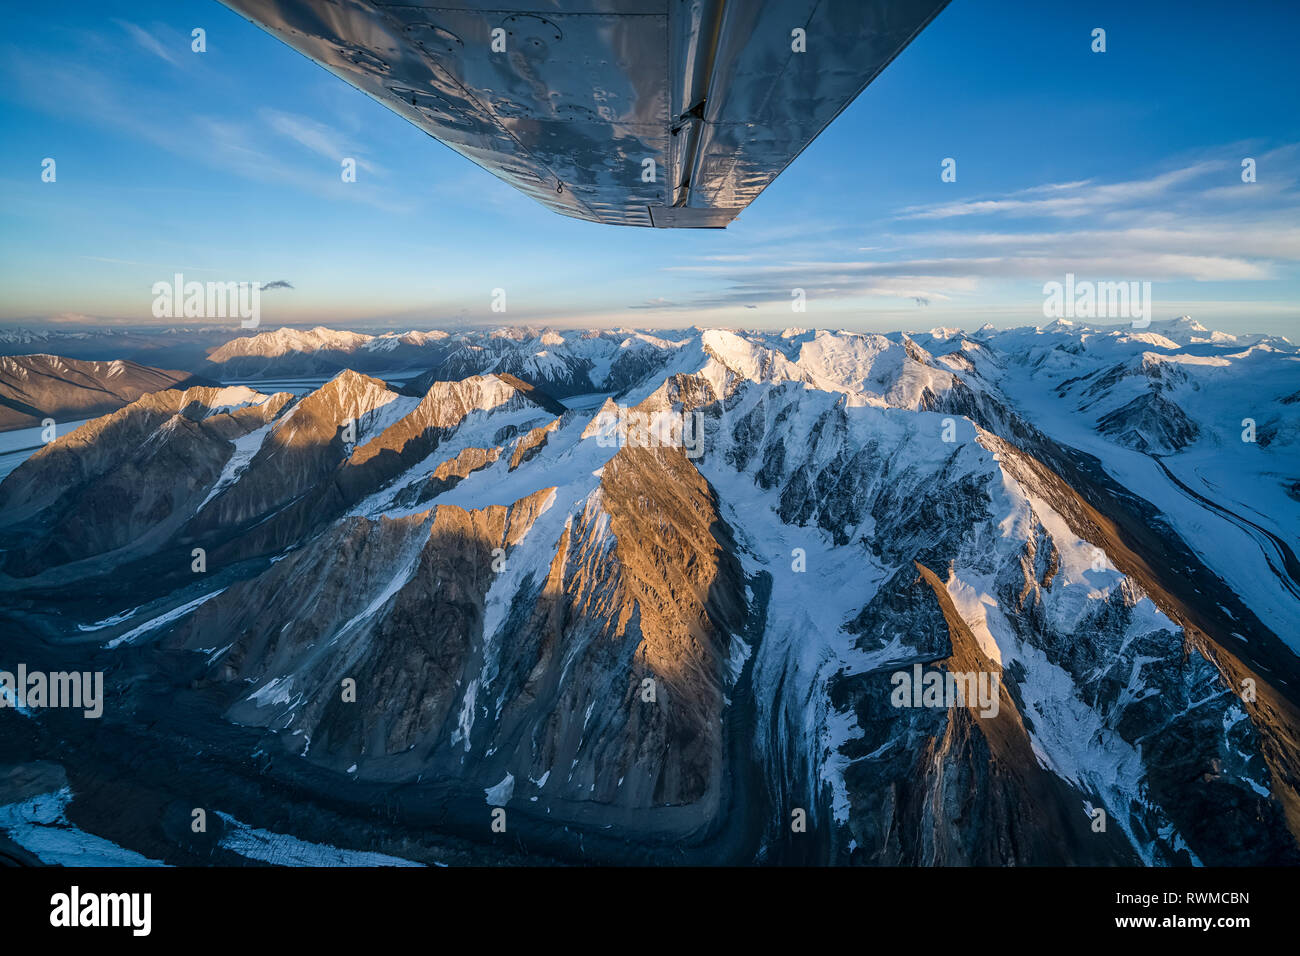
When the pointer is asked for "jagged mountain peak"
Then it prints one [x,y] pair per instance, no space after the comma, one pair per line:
[284,340]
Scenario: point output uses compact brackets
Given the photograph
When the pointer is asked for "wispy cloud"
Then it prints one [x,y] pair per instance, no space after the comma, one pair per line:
[240,146]
[1207,240]
[1068,200]
[315,136]
[1157,228]
[148,41]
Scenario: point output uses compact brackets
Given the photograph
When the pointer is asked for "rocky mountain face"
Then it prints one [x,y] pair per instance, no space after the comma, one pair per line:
[36,387]
[126,480]
[805,596]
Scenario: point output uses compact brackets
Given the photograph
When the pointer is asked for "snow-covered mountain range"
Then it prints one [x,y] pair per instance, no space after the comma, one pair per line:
[668,622]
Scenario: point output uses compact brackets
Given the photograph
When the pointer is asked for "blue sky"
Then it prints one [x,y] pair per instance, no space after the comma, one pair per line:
[225,165]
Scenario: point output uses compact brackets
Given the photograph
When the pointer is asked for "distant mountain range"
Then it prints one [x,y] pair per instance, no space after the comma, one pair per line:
[655,595]
[34,388]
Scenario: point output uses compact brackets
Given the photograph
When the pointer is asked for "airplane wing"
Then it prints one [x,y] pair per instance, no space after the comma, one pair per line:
[663,113]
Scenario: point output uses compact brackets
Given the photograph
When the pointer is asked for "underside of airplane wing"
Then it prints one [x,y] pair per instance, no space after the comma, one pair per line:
[665,113]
